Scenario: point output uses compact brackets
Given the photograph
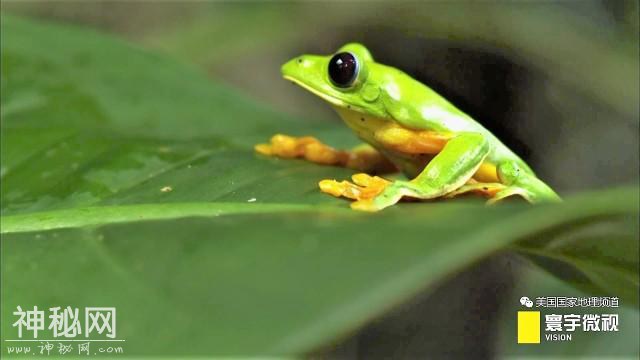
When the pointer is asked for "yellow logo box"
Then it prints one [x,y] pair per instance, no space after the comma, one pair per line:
[528,327]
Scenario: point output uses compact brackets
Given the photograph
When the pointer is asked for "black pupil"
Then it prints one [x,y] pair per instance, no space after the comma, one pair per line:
[342,69]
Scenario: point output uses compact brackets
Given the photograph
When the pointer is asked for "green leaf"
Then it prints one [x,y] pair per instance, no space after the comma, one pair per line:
[129,180]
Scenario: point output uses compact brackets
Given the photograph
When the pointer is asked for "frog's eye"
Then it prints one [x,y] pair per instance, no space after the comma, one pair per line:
[343,69]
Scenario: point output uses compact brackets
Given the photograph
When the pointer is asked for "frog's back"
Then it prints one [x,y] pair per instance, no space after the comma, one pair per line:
[427,110]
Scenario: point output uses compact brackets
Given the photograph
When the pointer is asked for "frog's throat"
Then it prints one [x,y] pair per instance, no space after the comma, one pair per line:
[329,98]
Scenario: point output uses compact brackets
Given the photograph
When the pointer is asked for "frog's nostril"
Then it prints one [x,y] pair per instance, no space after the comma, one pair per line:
[300,60]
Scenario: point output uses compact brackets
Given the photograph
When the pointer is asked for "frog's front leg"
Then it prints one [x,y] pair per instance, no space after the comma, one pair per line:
[363,158]
[449,170]
[364,186]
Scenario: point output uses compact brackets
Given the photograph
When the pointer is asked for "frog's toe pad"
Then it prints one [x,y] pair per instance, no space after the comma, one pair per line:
[333,187]
[374,184]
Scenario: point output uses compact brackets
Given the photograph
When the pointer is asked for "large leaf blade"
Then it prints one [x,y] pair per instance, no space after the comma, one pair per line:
[310,281]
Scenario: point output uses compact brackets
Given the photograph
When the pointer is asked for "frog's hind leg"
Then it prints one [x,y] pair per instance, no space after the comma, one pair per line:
[508,192]
[520,181]
[362,158]
[449,170]
[485,189]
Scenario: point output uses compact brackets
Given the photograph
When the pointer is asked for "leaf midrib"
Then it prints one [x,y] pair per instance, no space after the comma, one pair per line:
[101,215]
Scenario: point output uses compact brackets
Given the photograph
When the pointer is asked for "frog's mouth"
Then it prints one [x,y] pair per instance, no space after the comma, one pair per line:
[328,98]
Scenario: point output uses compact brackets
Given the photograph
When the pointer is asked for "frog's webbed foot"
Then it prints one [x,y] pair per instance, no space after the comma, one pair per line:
[371,193]
[363,187]
[362,158]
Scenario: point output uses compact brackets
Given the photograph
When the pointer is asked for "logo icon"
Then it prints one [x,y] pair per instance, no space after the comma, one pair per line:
[526,302]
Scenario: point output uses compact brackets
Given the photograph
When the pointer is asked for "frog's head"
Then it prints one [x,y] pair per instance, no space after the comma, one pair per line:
[343,79]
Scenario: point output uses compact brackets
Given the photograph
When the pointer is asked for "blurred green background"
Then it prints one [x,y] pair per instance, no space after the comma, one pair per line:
[556,81]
